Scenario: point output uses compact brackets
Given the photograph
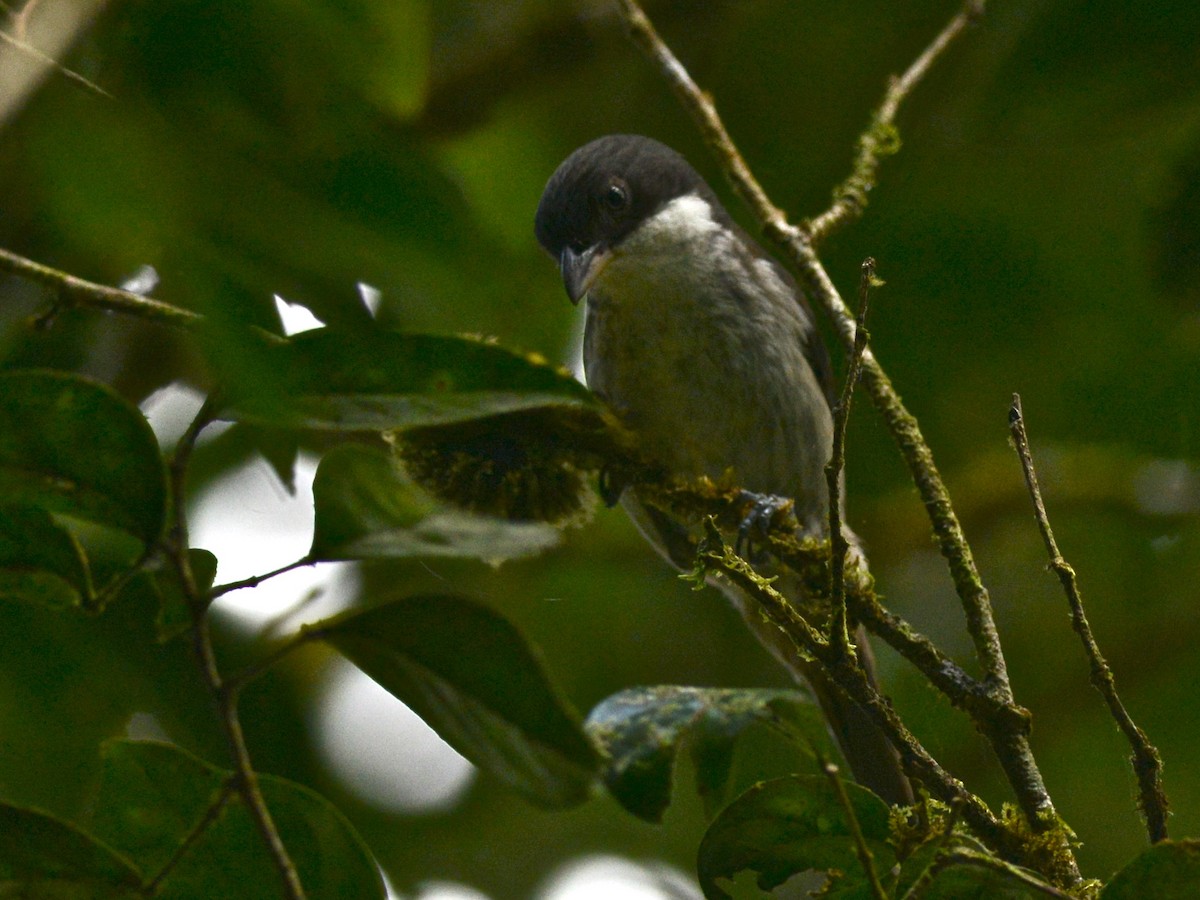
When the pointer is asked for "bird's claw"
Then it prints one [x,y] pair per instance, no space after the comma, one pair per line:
[757,522]
[612,485]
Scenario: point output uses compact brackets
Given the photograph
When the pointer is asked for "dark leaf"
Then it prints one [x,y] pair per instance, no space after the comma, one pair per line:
[375,380]
[1169,870]
[44,857]
[641,730]
[471,675]
[74,446]
[40,561]
[366,509]
[781,827]
[174,616]
[152,796]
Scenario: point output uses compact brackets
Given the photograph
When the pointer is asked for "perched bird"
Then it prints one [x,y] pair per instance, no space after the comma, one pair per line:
[705,348]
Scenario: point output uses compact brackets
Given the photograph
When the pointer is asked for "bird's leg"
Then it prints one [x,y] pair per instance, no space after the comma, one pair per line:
[757,522]
[612,484]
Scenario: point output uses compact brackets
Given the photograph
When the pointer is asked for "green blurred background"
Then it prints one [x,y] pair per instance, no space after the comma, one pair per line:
[1040,232]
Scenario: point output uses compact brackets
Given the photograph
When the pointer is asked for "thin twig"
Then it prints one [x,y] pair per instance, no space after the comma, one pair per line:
[962,856]
[215,807]
[238,680]
[881,138]
[73,291]
[1146,762]
[19,44]
[866,858]
[256,580]
[1011,748]
[244,776]
[839,547]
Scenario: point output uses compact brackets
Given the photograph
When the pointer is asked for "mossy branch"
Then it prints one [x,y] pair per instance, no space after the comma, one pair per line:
[798,243]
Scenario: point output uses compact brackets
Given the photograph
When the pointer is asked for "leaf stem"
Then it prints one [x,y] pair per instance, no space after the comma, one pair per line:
[1146,762]
[865,858]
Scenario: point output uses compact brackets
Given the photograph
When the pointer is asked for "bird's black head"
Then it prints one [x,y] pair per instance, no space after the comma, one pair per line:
[602,192]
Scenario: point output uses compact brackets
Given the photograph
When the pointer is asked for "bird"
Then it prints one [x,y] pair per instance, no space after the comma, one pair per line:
[704,347]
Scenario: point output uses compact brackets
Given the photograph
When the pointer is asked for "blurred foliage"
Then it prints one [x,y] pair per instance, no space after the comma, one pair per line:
[1038,232]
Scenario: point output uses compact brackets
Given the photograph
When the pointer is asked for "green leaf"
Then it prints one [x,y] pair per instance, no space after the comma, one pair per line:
[44,857]
[366,508]
[74,446]
[962,879]
[1170,870]
[368,380]
[641,730]
[152,796]
[40,561]
[471,675]
[174,616]
[781,827]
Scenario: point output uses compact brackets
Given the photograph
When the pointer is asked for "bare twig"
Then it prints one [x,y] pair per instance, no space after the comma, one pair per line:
[881,138]
[214,810]
[244,777]
[839,547]
[17,42]
[256,580]
[73,291]
[865,858]
[1010,746]
[1146,762]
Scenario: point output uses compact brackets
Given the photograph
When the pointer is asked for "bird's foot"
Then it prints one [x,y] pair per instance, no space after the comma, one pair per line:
[757,522]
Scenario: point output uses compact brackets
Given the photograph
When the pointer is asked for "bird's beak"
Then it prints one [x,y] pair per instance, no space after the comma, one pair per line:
[580,270]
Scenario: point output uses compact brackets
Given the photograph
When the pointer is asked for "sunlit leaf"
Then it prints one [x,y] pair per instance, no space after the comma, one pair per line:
[73,446]
[1170,870]
[781,827]
[152,796]
[470,674]
[40,561]
[366,508]
[45,857]
[641,730]
[373,380]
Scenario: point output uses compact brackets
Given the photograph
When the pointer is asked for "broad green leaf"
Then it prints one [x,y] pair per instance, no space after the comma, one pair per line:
[152,796]
[174,617]
[641,730]
[40,561]
[366,508]
[73,446]
[1169,870]
[781,827]
[44,857]
[470,674]
[373,380]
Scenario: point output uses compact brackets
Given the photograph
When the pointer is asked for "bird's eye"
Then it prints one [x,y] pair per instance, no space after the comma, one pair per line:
[616,196]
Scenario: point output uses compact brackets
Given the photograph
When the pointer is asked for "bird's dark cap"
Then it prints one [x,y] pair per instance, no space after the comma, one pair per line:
[579,207]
